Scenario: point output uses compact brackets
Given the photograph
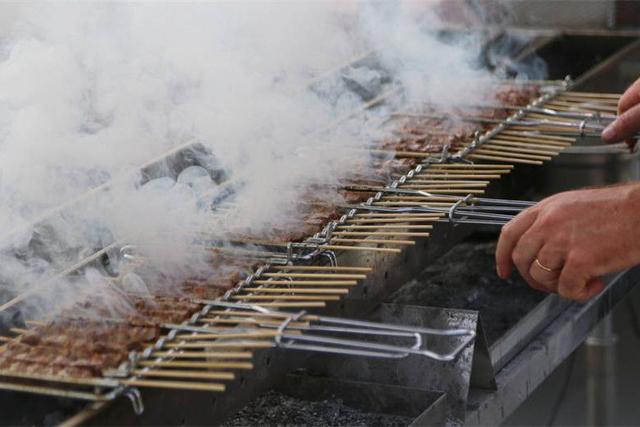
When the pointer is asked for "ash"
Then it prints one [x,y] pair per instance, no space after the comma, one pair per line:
[277,409]
[466,278]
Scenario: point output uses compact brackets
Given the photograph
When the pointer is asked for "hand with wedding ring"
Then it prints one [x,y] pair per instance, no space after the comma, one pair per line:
[567,242]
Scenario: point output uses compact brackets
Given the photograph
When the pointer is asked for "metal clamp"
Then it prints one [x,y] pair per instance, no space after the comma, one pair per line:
[326,335]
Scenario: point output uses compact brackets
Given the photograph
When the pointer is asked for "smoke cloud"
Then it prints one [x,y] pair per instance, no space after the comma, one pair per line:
[89,92]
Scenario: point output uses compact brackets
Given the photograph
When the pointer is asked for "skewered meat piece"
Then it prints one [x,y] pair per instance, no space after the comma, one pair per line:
[518,95]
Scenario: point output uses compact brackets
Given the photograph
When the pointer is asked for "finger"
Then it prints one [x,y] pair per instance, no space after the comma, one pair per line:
[572,282]
[593,288]
[630,97]
[524,255]
[624,127]
[509,236]
[554,261]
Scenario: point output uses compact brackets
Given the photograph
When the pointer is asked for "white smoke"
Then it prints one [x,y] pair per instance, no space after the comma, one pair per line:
[88,92]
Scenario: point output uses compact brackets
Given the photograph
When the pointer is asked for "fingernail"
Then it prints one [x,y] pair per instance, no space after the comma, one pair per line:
[499,270]
[609,133]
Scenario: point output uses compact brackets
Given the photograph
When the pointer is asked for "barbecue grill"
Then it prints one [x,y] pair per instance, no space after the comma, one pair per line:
[314,301]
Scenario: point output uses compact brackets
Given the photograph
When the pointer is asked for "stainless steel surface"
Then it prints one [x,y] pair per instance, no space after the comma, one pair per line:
[537,360]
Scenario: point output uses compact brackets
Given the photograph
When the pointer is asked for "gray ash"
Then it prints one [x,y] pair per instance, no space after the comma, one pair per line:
[466,278]
[277,409]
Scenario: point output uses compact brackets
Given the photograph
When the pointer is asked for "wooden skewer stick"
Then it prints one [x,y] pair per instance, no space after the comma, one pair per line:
[301,304]
[245,344]
[592,95]
[584,107]
[470,176]
[464,191]
[400,215]
[424,203]
[5,339]
[379,241]
[443,185]
[342,291]
[318,275]
[204,355]
[380,233]
[200,365]
[418,199]
[243,321]
[509,148]
[239,345]
[253,314]
[468,166]
[287,297]
[19,331]
[181,385]
[239,335]
[535,136]
[498,152]
[307,282]
[359,248]
[321,268]
[423,181]
[534,146]
[385,226]
[390,220]
[454,172]
[505,159]
[174,373]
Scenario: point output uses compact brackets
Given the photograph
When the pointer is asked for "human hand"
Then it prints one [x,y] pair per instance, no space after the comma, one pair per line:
[628,122]
[576,237]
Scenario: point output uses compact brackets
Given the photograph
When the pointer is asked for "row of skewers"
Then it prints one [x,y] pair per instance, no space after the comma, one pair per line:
[91,352]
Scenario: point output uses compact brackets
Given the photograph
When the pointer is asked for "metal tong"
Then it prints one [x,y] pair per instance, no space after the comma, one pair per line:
[466,210]
[336,335]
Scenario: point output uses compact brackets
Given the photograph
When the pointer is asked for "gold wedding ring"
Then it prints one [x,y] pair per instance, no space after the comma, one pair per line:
[544,267]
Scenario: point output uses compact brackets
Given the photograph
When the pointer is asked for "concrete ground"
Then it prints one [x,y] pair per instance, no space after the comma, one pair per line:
[564,398]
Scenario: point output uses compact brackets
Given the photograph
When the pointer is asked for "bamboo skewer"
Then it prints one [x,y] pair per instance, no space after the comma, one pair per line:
[391,220]
[399,215]
[379,241]
[468,176]
[319,275]
[239,345]
[505,159]
[204,375]
[600,95]
[251,315]
[240,321]
[358,248]
[342,291]
[301,304]
[538,137]
[287,297]
[443,185]
[456,172]
[468,166]
[534,146]
[498,152]
[307,282]
[204,355]
[497,146]
[385,226]
[180,385]
[197,365]
[422,181]
[321,268]
[380,233]
[222,345]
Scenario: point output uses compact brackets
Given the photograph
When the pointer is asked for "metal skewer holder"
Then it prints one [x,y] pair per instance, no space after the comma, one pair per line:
[336,335]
